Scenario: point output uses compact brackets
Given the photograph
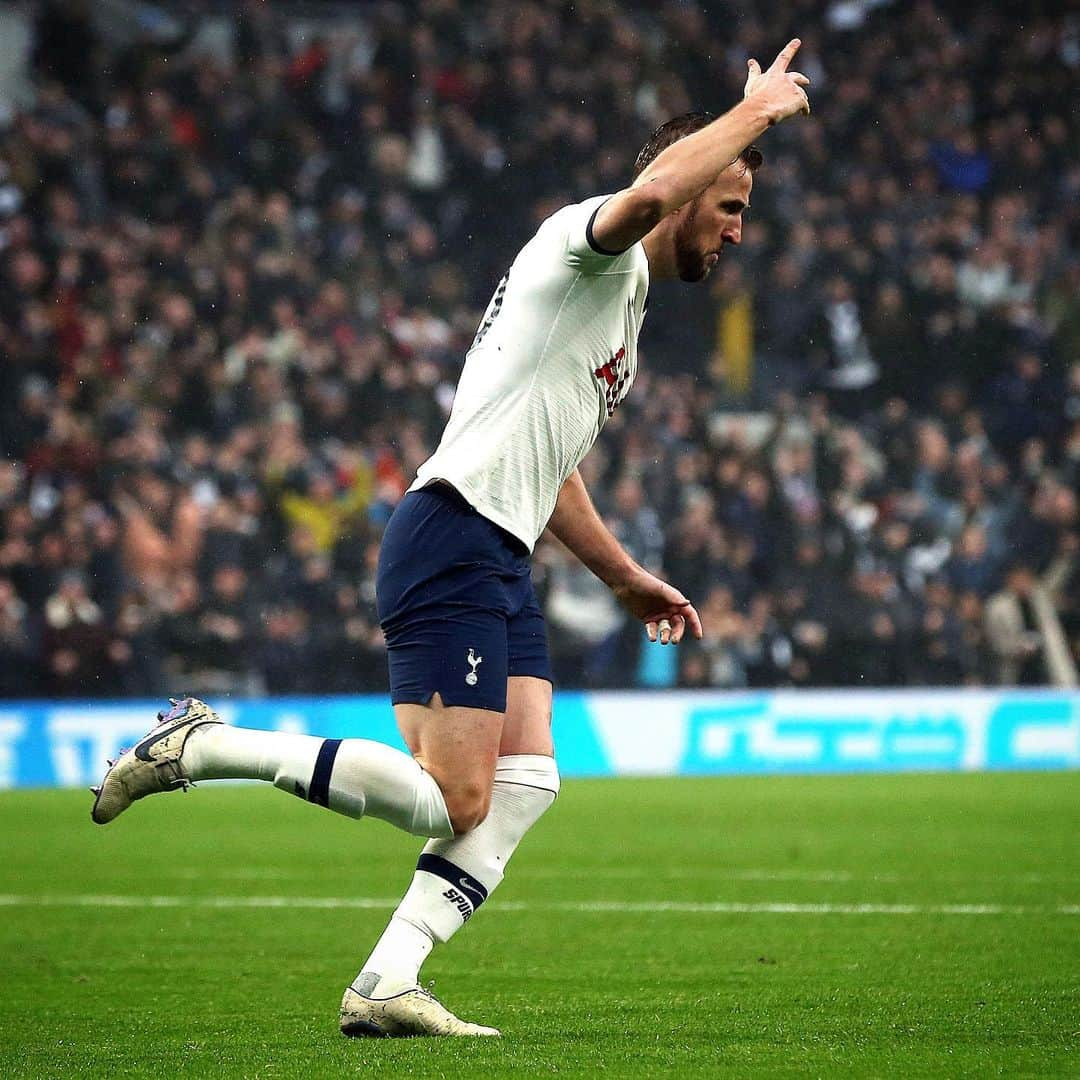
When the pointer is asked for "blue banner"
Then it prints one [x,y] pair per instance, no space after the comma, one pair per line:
[61,744]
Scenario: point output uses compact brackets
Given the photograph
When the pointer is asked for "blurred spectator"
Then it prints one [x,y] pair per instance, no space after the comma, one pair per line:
[972,568]
[635,523]
[723,655]
[162,530]
[286,652]
[76,640]
[941,654]
[1025,633]
[226,628]
[135,650]
[18,649]
[840,349]
[584,621]
[871,630]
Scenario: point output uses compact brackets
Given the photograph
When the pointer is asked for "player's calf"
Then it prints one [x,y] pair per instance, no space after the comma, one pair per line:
[455,876]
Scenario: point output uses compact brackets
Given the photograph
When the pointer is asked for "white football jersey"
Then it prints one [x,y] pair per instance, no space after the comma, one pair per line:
[554,355]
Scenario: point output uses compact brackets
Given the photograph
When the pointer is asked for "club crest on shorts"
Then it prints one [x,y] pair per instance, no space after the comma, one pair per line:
[474,662]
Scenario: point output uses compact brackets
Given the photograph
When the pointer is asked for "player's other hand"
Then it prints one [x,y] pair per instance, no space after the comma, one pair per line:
[779,91]
[664,610]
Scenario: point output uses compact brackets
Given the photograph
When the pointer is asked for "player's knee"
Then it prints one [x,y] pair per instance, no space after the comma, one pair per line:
[467,805]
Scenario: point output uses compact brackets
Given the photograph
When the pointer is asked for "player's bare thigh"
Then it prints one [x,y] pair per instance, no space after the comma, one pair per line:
[527,728]
[459,747]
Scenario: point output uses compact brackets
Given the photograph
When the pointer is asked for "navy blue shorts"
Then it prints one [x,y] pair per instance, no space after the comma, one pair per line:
[456,604]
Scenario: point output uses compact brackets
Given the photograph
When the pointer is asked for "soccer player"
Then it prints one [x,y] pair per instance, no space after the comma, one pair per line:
[554,356]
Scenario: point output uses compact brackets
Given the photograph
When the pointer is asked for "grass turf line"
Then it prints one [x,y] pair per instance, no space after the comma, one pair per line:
[203,991]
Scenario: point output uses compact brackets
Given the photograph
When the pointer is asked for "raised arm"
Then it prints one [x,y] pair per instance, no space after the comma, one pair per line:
[576,524]
[686,168]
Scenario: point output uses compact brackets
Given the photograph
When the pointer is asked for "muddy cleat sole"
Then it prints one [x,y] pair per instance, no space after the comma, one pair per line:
[153,764]
[413,1012]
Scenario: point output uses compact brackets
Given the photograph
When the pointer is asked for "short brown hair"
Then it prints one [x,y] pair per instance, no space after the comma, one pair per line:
[671,131]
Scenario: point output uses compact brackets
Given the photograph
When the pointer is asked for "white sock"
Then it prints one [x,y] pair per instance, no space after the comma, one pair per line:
[353,777]
[454,877]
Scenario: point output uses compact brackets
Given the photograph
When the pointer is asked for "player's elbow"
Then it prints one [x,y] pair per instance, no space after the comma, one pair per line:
[648,207]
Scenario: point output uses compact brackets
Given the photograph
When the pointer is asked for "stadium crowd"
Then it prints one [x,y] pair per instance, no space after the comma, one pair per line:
[237,285]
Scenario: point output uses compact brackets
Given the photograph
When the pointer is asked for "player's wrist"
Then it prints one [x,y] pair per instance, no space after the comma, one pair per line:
[622,575]
[754,110]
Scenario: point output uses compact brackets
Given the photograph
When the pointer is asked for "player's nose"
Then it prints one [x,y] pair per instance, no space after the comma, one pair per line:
[732,234]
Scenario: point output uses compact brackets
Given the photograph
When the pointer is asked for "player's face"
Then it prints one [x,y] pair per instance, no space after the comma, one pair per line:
[712,220]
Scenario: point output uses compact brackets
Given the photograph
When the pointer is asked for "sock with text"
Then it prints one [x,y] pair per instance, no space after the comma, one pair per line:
[454,877]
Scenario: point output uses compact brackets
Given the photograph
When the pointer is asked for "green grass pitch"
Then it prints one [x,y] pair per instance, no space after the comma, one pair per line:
[832,926]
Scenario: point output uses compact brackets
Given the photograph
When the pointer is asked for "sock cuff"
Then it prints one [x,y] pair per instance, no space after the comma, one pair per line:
[476,892]
[429,817]
[528,770]
[319,788]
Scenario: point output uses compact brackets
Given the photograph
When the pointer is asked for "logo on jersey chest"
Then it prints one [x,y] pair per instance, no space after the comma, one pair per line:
[615,375]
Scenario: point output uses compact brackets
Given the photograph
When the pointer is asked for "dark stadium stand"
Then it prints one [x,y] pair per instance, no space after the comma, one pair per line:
[239,271]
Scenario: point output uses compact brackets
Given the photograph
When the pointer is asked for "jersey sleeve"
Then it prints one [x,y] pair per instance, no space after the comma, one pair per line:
[582,251]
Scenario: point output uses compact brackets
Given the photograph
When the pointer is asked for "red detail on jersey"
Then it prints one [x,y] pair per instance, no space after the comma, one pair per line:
[614,379]
[609,372]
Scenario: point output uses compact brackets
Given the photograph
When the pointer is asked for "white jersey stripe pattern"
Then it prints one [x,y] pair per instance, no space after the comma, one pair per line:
[555,353]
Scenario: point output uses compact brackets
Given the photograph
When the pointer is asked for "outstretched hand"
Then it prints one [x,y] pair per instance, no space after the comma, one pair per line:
[664,610]
[780,91]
